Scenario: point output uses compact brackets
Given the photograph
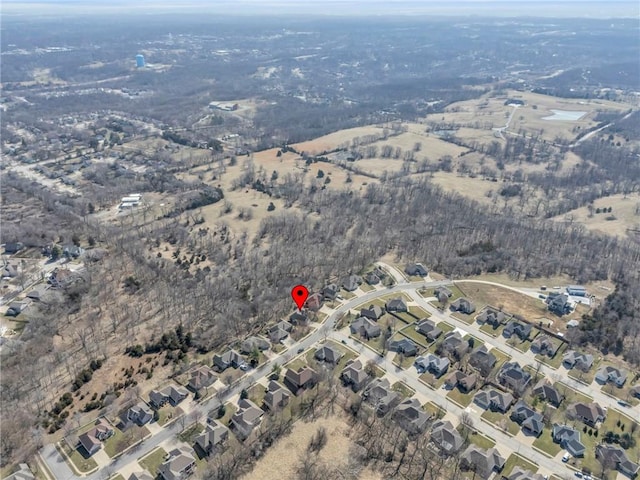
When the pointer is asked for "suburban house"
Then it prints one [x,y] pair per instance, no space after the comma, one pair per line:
[577,290]
[302,379]
[16,308]
[372,278]
[416,270]
[230,358]
[365,328]
[379,395]
[520,329]
[143,475]
[454,345]
[276,396]
[13,247]
[23,473]
[545,391]
[351,283]
[201,377]
[493,400]
[92,440]
[482,360]
[463,305]
[513,376]
[246,418]
[254,343]
[410,416]
[463,381]
[403,346]
[373,312]
[215,433]
[519,473]
[483,462]
[396,305]
[354,375]
[329,354]
[439,291]
[559,304]
[607,373]
[10,270]
[543,345]
[314,302]
[428,328]
[277,334]
[180,465]
[569,439]
[139,414]
[433,364]
[38,294]
[530,420]
[492,317]
[616,457]
[581,361]
[330,292]
[589,413]
[298,318]
[446,437]
[72,251]
[170,394]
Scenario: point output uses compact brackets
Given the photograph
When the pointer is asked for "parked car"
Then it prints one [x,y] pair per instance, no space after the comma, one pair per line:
[300,350]
[578,474]
[566,457]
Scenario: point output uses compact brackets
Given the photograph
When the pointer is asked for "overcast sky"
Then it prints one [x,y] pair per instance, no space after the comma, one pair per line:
[564,8]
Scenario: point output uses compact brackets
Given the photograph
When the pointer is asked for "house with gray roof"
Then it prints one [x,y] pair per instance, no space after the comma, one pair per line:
[354,375]
[16,308]
[139,414]
[617,458]
[214,434]
[513,376]
[491,316]
[446,437]
[404,346]
[328,353]
[410,416]
[201,377]
[589,413]
[493,400]
[520,329]
[608,373]
[180,465]
[429,329]
[299,318]
[254,343]
[372,278]
[372,312]
[365,328]
[545,391]
[519,473]
[433,364]
[396,305]
[143,475]
[442,290]
[530,420]
[483,462]
[416,270]
[462,305]
[171,394]
[246,418]
[558,304]
[351,283]
[569,439]
[574,359]
[379,395]
[276,396]
[23,473]
[330,292]
[482,360]
[230,358]
[544,345]
[462,380]
[454,345]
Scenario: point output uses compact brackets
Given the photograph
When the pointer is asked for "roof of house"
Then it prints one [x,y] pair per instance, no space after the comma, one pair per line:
[373,312]
[578,359]
[618,456]
[379,392]
[395,304]
[248,413]
[481,358]
[547,391]
[404,345]
[411,415]
[179,460]
[276,394]
[433,362]
[568,437]
[429,328]
[501,400]
[143,475]
[592,412]
[23,473]
[370,327]
[528,417]
[354,372]
[486,461]
[252,343]
[513,374]
[519,473]
[328,353]
[466,381]
[202,377]
[300,377]
[445,436]
[523,330]
[609,373]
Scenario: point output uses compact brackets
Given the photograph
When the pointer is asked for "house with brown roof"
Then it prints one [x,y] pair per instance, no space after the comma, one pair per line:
[463,381]
[354,375]
[201,377]
[92,440]
[589,413]
[545,391]
[314,302]
[301,379]
[276,396]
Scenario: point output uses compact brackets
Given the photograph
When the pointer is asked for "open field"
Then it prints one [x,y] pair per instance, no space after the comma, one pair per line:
[335,139]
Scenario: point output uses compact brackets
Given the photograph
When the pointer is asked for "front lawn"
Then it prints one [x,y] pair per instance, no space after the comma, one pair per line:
[545,443]
[191,432]
[153,460]
[402,361]
[501,357]
[257,393]
[403,389]
[230,409]
[571,395]
[585,377]
[516,460]
[463,399]
[411,333]
[556,361]
[501,422]
[479,440]
[120,441]
[433,409]
[490,330]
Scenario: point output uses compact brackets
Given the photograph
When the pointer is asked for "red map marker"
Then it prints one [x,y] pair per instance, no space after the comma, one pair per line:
[299,293]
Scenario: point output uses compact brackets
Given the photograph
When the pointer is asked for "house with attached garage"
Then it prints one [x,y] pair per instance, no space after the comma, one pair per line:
[454,345]
[581,361]
[396,305]
[416,270]
[492,316]
[442,291]
[372,278]
[201,377]
[92,440]
[331,291]
[530,420]
[351,283]
[513,376]
[180,465]
[569,439]
[462,305]
[520,329]
[299,318]
[589,413]
[608,373]
[379,395]
[494,400]
[559,304]
[433,364]
[429,329]
[446,438]
[545,391]
[410,416]
[482,360]
[544,345]
[365,328]
[23,473]
[372,312]
[617,458]
[276,396]
[171,394]
[483,462]
[301,379]
[463,381]
[404,346]
[328,353]
[214,434]
[230,358]
[354,375]
[519,473]
[139,414]
[254,343]
[247,417]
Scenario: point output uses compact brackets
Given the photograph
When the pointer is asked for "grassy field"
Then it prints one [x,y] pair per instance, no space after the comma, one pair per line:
[502,422]
[545,443]
[403,389]
[153,460]
[571,395]
[462,399]
[120,441]
[81,462]
[481,441]
[516,460]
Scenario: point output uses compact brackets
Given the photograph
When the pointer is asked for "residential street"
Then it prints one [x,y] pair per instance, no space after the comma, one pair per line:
[504,443]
